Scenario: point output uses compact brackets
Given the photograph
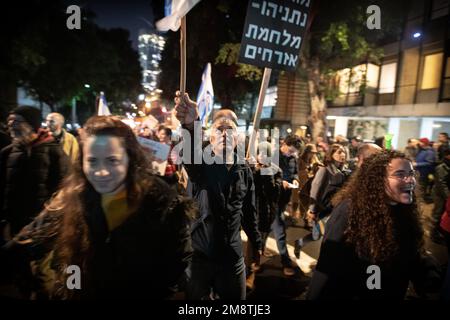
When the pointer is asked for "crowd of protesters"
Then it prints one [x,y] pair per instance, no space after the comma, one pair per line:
[96,203]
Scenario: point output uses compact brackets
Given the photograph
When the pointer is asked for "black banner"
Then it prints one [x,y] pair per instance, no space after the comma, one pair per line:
[273,33]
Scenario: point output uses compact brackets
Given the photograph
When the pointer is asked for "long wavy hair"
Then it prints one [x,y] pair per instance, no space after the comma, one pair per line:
[77,195]
[372,227]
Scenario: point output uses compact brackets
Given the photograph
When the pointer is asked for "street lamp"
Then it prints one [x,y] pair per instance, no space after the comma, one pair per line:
[87,86]
[417,35]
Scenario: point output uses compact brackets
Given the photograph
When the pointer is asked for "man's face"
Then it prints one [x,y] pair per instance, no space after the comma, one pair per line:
[53,123]
[18,127]
[223,137]
[442,138]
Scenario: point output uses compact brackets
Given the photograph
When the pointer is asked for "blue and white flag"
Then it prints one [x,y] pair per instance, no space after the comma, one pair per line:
[103,109]
[174,10]
[205,97]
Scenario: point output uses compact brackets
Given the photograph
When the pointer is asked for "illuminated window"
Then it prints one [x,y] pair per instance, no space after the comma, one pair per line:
[373,72]
[388,77]
[432,71]
[343,76]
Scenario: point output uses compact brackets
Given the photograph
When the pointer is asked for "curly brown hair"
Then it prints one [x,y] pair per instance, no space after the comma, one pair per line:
[374,230]
[73,244]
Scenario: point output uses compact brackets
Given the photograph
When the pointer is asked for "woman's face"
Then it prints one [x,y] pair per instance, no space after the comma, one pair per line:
[401,181]
[105,163]
[339,155]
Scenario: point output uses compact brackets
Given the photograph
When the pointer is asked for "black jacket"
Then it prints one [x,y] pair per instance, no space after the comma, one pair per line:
[327,181]
[29,175]
[142,258]
[267,190]
[226,201]
[341,274]
[289,167]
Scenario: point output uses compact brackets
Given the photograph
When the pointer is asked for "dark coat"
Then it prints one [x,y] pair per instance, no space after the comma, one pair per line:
[267,192]
[327,181]
[142,258]
[31,173]
[289,167]
[342,274]
[226,202]
[425,161]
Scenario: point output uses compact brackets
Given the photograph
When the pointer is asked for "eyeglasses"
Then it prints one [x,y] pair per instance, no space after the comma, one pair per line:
[220,130]
[403,175]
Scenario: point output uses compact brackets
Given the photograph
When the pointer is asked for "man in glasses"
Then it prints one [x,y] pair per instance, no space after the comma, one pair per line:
[225,193]
[31,168]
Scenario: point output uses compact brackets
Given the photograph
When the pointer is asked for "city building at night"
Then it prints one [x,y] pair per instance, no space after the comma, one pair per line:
[150,48]
[408,94]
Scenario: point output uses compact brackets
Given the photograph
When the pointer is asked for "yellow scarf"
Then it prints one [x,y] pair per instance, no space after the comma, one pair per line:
[116,208]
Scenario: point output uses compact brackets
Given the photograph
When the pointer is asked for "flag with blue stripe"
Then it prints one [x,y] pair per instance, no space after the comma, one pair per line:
[205,97]
[174,10]
[103,109]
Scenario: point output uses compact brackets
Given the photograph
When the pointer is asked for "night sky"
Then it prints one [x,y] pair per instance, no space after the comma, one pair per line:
[128,14]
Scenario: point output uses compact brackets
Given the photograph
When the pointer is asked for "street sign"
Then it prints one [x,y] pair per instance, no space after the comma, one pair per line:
[273,33]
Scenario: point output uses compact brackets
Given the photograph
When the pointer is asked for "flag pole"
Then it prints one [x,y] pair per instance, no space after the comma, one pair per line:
[183,55]
[257,118]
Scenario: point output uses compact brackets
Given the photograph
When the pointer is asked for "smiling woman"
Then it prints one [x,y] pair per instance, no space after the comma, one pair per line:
[112,218]
[375,222]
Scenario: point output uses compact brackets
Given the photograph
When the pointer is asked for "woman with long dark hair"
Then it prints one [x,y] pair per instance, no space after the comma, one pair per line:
[123,227]
[373,244]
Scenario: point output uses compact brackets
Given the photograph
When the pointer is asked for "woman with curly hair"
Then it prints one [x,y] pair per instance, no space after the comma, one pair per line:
[122,226]
[375,221]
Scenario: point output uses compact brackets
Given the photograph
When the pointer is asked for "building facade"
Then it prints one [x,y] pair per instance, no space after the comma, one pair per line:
[408,94]
[150,48]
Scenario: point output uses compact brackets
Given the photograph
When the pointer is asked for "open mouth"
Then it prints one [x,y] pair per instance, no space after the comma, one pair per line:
[407,190]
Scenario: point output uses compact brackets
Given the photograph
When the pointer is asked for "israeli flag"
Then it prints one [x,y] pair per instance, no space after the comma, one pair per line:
[103,109]
[174,10]
[205,97]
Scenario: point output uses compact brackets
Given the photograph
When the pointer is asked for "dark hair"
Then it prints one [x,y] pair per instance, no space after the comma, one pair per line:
[331,151]
[371,227]
[166,130]
[292,141]
[444,134]
[380,142]
[77,196]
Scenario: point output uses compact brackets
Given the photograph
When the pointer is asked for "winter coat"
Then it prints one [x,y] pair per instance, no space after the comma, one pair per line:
[31,173]
[425,161]
[341,274]
[144,257]
[226,201]
[69,144]
[288,165]
[327,181]
[442,180]
[267,191]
